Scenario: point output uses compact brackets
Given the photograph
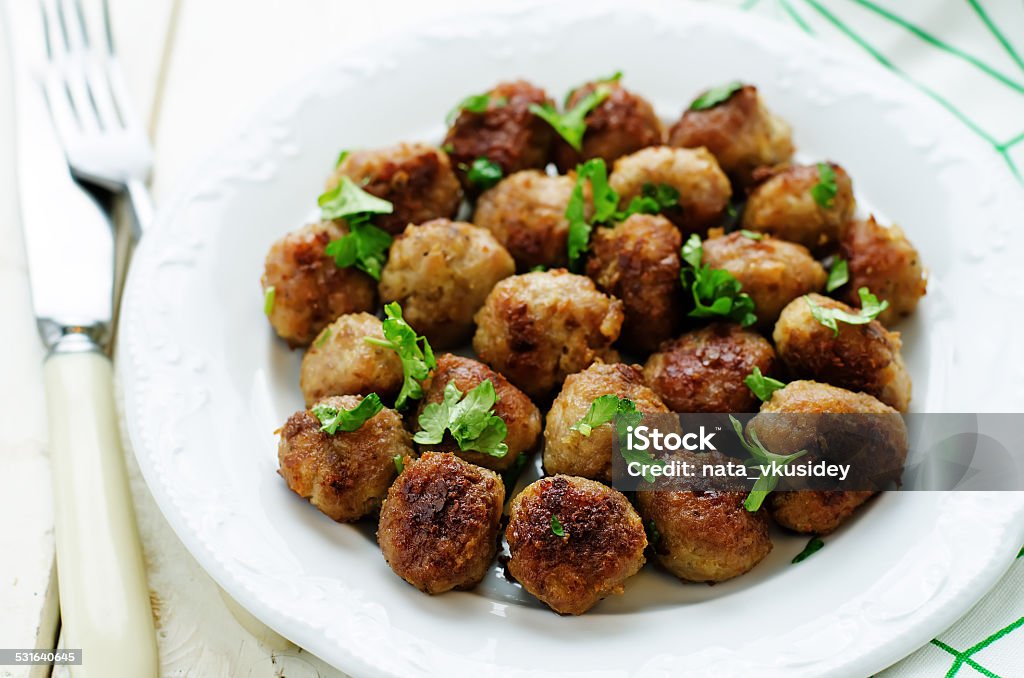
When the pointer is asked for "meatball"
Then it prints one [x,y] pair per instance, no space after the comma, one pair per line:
[506,133]
[439,524]
[815,511]
[740,131]
[621,124]
[860,358]
[308,289]
[540,327]
[417,179]
[570,452]
[783,204]
[526,213]
[884,261]
[347,474]
[518,412]
[340,362]
[573,542]
[704,190]
[703,370]
[704,536]
[441,272]
[638,262]
[773,272]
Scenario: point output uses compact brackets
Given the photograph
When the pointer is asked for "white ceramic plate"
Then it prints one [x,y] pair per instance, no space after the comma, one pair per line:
[205,383]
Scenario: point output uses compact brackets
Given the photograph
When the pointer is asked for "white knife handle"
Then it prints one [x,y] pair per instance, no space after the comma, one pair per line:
[104,598]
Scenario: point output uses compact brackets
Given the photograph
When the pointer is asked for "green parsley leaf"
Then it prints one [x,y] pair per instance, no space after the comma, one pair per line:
[269,295]
[347,200]
[824,192]
[341,158]
[602,410]
[470,419]
[538,268]
[399,463]
[333,419]
[753,235]
[870,308]
[759,455]
[652,200]
[474,103]
[556,526]
[483,173]
[715,96]
[572,124]
[653,535]
[763,387]
[838,274]
[413,350]
[364,246]
[813,546]
[605,199]
[323,338]
[716,293]
[613,78]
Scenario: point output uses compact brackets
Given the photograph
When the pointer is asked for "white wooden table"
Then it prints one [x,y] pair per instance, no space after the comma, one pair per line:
[194,67]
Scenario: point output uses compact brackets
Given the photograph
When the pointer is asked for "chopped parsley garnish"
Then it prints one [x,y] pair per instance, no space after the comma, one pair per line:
[761,386]
[399,463]
[838,274]
[269,295]
[413,350]
[572,125]
[603,410]
[483,173]
[870,308]
[715,96]
[470,420]
[333,419]
[716,293]
[813,546]
[653,535]
[322,339]
[613,78]
[341,158]
[475,103]
[348,200]
[824,192]
[364,246]
[753,235]
[652,200]
[556,526]
[539,268]
[761,457]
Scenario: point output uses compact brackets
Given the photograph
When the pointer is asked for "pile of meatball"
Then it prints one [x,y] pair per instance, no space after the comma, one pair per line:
[552,341]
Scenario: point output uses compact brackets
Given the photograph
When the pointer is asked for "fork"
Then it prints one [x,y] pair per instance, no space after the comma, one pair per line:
[105,144]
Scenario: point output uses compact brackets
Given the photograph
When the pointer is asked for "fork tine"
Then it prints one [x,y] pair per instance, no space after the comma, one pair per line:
[58,98]
[66,63]
[96,64]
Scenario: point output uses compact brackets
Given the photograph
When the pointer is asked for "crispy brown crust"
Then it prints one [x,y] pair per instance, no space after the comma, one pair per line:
[518,412]
[621,124]
[570,452]
[703,370]
[345,475]
[310,291]
[638,262]
[884,261]
[773,272]
[783,205]
[416,178]
[814,512]
[705,536]
[861,358]
[438,527]
[741,132]
[540,327]
[508,135]
[603,544]
[440,272]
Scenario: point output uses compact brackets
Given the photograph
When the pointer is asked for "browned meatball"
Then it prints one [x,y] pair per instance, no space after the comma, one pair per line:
[439,524]
[417,179]
[526,213]
[506,133]
[518,412]
[884,261]
[340,362]
[704,536]
[815,511]
[783,204]
[741,132]
[703,370]
[570,452]
[621,124]
[638,262]
[704,190]
[773,272]
[601,544]
[347,474]
[540,327]
[860,358]
[309,290]
[441,272]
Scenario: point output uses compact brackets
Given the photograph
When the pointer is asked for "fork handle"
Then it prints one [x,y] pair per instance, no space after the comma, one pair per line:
[142,206]
[104,597]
